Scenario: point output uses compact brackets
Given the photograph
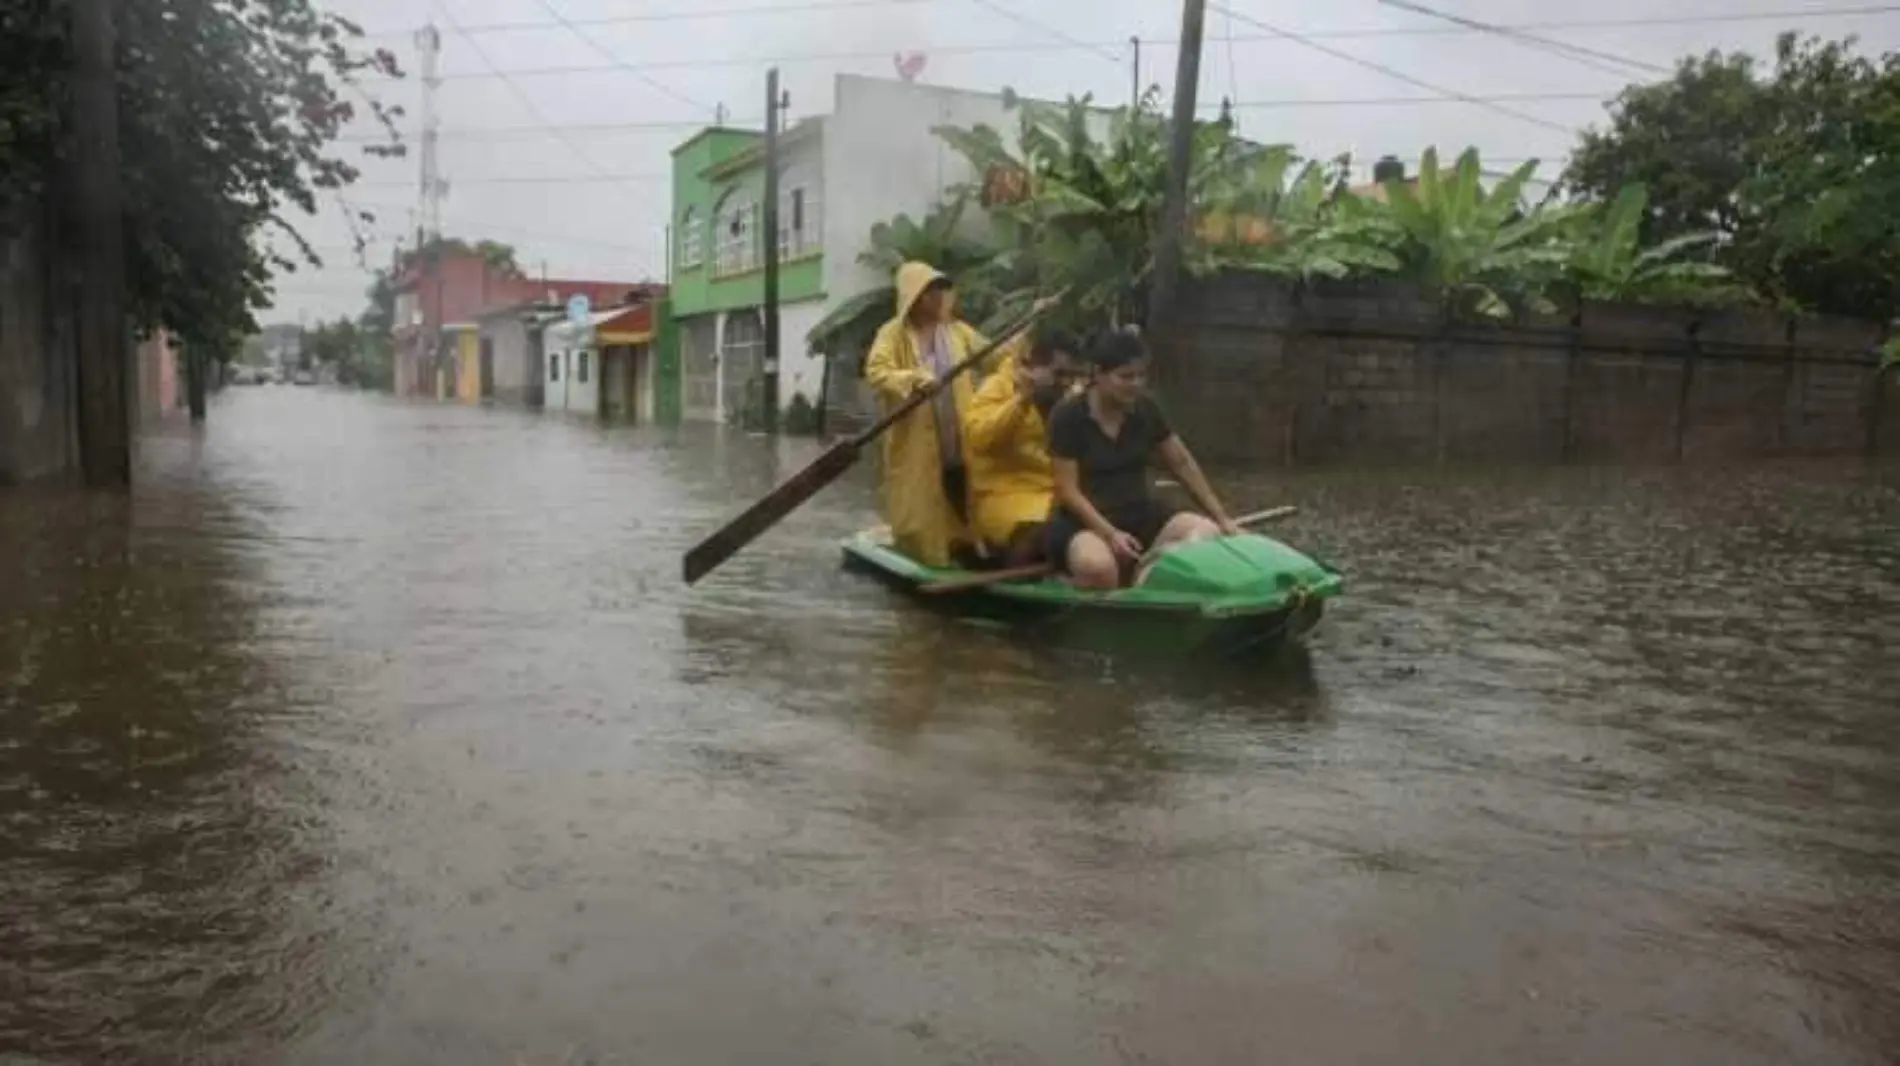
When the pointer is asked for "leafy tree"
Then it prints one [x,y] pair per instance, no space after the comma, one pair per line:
[1796,170]
[360,358]
[500,257]
[259,88]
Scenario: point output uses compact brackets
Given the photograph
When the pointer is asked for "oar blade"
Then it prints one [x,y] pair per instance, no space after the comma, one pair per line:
[708,554]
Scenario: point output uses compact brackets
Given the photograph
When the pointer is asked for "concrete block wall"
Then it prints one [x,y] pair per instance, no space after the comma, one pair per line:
[1265,371]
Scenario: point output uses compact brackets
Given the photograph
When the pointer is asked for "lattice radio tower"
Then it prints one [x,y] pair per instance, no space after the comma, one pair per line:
[433,188]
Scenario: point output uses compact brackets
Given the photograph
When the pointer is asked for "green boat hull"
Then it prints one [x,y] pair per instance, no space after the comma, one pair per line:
[1235,596]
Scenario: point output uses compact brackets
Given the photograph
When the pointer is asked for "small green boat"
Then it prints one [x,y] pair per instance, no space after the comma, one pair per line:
[1231,596]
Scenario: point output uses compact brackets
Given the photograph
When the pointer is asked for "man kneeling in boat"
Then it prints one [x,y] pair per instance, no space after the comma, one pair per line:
[1006,436]
[1101,443]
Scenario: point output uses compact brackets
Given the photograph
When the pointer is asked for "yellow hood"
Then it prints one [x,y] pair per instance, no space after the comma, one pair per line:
[912,279]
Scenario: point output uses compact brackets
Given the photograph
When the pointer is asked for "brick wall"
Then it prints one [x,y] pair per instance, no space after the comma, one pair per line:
[1266,371]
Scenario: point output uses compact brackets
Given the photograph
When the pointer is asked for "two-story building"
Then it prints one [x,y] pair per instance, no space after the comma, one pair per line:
[718,287]
[873,157]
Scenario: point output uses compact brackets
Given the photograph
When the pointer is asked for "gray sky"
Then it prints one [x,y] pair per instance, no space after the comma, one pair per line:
[635,77]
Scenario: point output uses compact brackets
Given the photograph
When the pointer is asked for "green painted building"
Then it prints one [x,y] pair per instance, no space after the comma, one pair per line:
[718,277]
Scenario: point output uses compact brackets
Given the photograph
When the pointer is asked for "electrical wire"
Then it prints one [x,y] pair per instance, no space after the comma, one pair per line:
[1071,44]
[1589,57]
[527,101]
[529,179]
[1586,25]
[618,63]
[485,133]
[673,16]
[1396,75]
[1115,56]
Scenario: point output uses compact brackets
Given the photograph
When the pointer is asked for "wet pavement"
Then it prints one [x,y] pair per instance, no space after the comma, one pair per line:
[373,733]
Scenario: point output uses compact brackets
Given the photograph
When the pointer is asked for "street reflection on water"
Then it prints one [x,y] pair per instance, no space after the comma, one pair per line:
[372,732]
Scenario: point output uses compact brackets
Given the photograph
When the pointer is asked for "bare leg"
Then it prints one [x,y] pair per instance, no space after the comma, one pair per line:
[1092,565]
[1181,529]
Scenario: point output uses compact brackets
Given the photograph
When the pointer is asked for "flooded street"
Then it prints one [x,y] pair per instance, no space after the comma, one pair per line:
[373,733]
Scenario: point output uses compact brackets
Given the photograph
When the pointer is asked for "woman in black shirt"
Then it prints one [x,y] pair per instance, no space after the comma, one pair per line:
[1101,444]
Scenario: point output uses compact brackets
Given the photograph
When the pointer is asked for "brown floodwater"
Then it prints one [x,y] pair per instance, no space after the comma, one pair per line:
[374,733]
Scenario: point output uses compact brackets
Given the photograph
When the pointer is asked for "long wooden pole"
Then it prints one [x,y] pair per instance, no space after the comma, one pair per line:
[1166,280]
[105,423]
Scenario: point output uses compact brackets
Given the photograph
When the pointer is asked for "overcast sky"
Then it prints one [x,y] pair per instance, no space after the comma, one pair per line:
[635,77]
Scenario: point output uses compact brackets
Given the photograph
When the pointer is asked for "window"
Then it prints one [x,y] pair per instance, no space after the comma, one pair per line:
[580,363]
[800,218]
[737,221]
[692,239]
[554,365]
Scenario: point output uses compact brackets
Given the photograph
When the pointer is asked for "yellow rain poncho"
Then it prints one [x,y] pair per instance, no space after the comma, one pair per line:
[1007,441]
[917,450]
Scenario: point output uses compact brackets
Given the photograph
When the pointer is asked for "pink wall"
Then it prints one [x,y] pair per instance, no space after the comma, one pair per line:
[157,363]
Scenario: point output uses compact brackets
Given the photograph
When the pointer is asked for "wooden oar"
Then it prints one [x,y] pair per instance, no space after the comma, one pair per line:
[829,467]
[1041,570]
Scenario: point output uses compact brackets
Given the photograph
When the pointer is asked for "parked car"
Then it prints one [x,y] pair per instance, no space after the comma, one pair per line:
[304,377]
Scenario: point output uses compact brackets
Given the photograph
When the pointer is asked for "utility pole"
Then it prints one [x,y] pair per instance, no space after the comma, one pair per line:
[774,104]
[105,416]
[1134,74]
[1166,281]
[432,188]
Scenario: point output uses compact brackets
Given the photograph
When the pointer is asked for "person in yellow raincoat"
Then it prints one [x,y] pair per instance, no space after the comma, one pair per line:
[1006,438]
[925,475]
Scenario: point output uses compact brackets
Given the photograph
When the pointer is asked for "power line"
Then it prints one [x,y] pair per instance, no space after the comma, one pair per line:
[521,94]
[1076,44]
[1070,44]
[618,63]
[602,177]
[1048,30]
[1420,101]
[571,179]
[475,133]
[1396,75]
[701,14]
[482,133]
[1589,57]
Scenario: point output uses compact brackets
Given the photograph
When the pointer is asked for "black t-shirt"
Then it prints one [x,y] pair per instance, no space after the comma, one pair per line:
[1113,471]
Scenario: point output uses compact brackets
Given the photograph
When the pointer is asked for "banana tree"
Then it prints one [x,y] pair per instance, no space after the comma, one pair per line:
[1482,248]
[1297,227]
[1082,209]
[943,241]
[1607,261]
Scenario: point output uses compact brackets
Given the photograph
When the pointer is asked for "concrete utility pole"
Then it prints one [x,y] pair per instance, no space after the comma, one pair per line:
[432,189]
[105,415]
[769,224]
[1134,72]
[1174,210]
